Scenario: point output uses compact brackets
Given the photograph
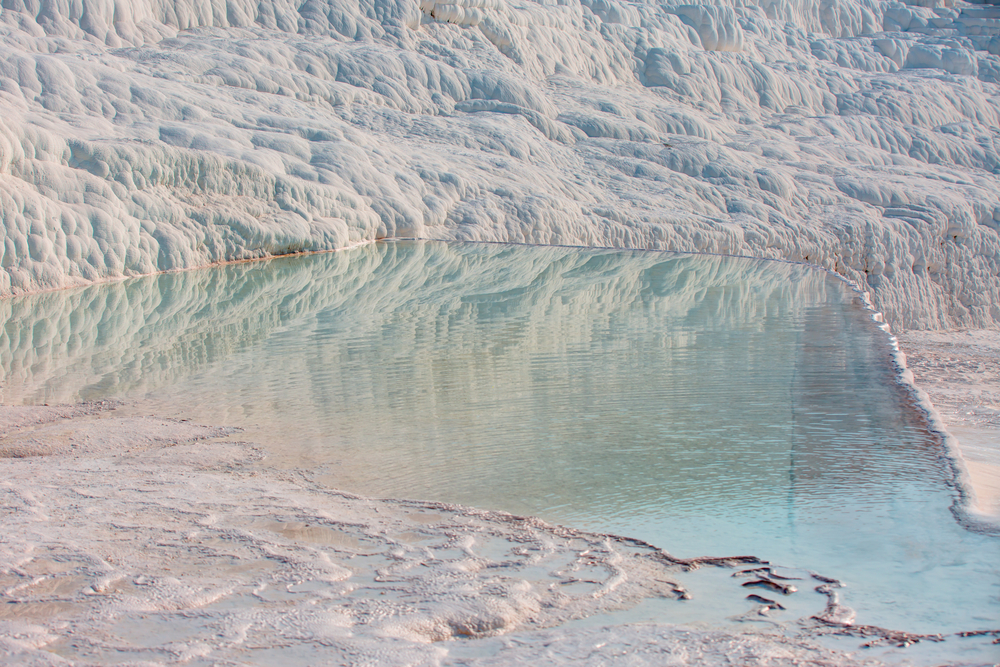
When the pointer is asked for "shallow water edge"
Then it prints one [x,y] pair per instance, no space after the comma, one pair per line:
[99,448]
[195,555]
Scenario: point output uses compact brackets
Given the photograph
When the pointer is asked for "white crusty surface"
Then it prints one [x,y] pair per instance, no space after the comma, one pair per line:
[861,135]
[960,371]
[140,540]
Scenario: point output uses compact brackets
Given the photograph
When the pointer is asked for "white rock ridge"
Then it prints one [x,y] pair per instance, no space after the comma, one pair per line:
[861,135]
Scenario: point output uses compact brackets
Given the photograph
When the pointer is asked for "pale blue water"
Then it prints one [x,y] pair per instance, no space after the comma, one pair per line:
[709,405]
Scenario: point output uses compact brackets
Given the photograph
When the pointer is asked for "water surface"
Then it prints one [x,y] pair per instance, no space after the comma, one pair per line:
[708,405]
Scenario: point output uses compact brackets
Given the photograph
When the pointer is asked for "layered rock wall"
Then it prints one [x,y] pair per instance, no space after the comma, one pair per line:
[862,136]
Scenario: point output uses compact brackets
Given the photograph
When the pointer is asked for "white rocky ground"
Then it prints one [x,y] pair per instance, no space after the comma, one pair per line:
[960,371]
[136,540]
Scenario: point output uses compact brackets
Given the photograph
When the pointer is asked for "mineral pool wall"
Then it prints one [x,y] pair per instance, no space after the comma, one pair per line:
[148,135]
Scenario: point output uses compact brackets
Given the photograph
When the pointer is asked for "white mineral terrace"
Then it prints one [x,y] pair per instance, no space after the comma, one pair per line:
[859,135]
[959,372]
[140,136]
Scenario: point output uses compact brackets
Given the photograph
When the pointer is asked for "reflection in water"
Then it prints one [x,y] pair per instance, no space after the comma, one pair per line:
[705,404]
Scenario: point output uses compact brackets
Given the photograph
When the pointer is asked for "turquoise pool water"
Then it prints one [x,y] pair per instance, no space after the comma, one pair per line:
[708,405]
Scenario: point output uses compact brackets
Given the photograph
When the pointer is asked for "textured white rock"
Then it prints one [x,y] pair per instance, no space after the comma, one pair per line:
[961,374]
[176,549]
[860,135]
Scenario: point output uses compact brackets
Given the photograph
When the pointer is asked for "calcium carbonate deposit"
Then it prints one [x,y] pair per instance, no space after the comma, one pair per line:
[861,135]
[146,541]
[139,136]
